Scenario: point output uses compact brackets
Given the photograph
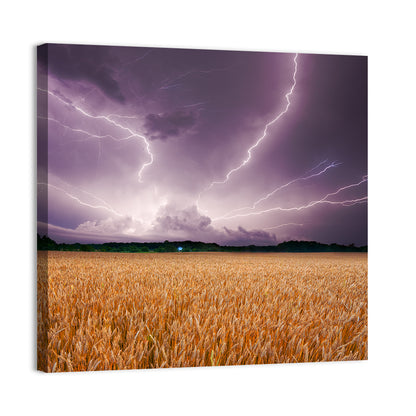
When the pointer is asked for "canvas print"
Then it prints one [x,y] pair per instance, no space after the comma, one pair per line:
[200,207]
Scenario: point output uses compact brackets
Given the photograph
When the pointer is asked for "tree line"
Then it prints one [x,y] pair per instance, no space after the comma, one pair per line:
[46,243]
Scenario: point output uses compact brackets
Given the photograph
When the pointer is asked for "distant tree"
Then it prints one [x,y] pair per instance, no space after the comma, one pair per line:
[168,247]
[45,243]
[87,247]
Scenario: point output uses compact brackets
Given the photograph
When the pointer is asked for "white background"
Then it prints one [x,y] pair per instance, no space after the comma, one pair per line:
[383,384]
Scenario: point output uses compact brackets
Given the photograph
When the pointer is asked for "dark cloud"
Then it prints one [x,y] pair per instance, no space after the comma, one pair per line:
[162,126]
[189,223]
[84,62]
[242,92]
[243,236]
[189,220]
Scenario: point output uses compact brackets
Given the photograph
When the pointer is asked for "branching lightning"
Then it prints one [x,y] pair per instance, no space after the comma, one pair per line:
[324,200]
[120,128]
[195,104]
[109,120]
[283,225]
[317,166]
[266,128]
[139,58]
[75,130]
[90,134]
[121,116]
[106,206]
[302,178]
[169,83]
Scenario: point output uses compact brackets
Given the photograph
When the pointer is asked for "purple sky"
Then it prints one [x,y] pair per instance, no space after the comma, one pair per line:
[138,143]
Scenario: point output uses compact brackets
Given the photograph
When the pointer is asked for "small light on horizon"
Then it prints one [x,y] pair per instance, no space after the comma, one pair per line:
[180,248]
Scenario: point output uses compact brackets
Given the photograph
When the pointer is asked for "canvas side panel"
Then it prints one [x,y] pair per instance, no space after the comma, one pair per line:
[42,208]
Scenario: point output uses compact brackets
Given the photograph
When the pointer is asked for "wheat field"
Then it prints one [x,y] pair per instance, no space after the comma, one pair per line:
[108,311]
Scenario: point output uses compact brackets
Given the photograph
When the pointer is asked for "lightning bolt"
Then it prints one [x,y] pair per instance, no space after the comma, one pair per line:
[86,95]
[109,120]
[324,200]
[168,83]
[87,193]
[317,166]
[88,133]
[75,130]
[266,128]
[106,206]
[195,105]
[302,178]
[283,225]
[134,60]
[121,116]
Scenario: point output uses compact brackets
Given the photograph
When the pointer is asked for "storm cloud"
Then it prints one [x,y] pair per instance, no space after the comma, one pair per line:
[111,225]
[256,237]
[162,126]
[148,144]
[194,224]
[188,219]
[84,63]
